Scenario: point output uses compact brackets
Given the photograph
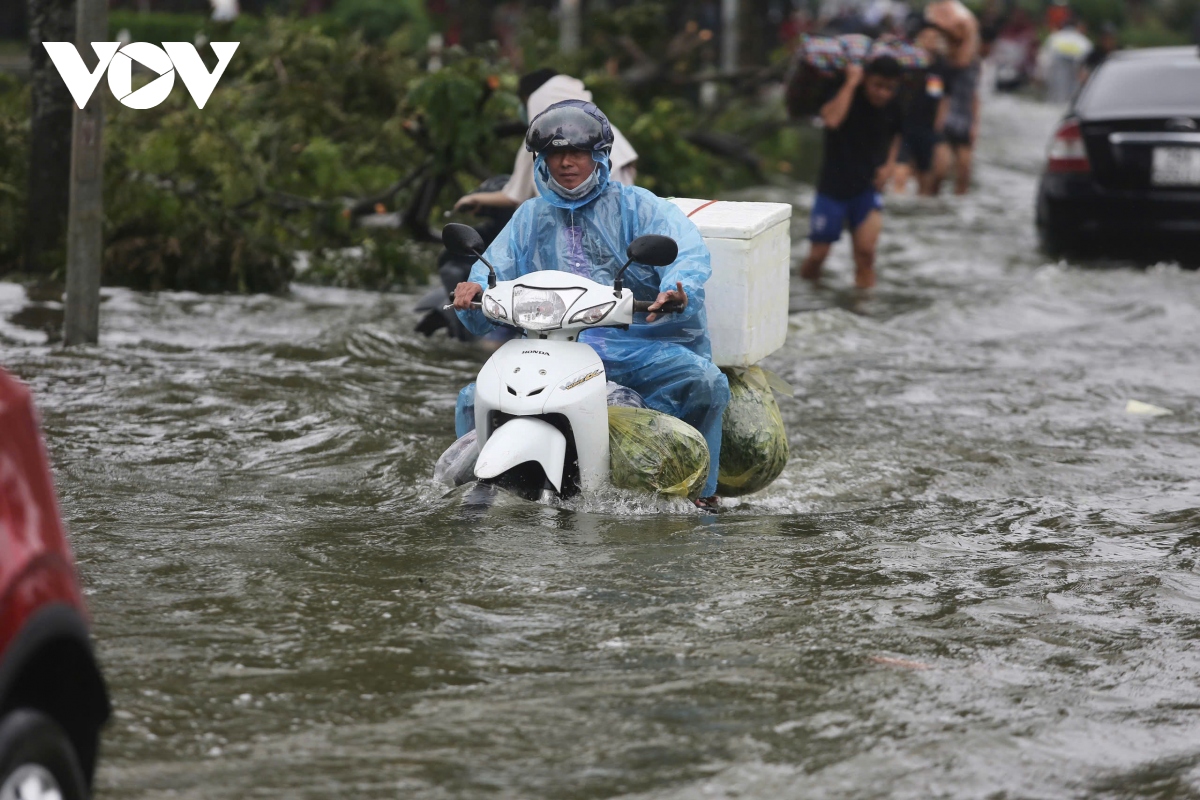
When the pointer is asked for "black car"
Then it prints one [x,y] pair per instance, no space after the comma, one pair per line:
[1124,164]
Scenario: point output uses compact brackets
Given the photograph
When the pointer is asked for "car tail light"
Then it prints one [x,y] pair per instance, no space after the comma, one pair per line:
[1067,152]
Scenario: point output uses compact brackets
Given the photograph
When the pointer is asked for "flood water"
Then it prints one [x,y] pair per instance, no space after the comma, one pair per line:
[977,577]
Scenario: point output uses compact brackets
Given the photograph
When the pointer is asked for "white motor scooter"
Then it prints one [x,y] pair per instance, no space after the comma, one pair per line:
[541,408]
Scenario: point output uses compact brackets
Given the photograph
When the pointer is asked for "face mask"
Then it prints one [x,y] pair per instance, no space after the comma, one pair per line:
[580,191]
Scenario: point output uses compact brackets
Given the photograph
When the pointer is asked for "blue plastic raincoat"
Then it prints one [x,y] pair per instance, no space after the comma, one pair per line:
[668,361]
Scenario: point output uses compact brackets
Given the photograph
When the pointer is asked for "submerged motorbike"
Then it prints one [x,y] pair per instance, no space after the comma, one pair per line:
[541,402]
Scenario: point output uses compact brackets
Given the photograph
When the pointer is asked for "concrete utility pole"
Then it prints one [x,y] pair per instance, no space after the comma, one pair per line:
[729,35]
[568,25]
[81,313]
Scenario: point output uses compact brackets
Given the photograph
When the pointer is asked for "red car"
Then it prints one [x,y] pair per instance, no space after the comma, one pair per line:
[53,701]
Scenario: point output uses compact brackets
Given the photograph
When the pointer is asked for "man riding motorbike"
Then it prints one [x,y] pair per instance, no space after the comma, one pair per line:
[582,222]
[497,199]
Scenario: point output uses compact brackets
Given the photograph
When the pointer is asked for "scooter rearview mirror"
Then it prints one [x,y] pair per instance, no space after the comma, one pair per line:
[462,240]
[652,250]
[465,242]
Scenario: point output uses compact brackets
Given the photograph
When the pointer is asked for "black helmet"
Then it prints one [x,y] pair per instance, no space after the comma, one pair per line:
[571,124]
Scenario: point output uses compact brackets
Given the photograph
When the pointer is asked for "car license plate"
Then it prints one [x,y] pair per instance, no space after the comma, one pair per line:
[1176,166]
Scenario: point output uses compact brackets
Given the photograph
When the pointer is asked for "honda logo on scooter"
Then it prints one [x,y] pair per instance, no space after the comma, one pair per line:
[118,61]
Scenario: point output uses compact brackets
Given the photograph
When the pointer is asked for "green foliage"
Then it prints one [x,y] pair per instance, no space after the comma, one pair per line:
[647,23]
[378,20]
[1097,12]
[301,125]
[156,27]
[1154,33]
[375,20]
[160,26]
[458,107]
[316,117]
[539,43]
[668,164]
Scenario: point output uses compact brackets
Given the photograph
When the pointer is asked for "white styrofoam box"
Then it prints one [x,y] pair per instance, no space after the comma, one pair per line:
[747,295]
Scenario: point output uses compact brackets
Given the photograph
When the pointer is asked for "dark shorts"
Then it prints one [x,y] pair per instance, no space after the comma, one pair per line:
[916,148]
[830,216]
[959,138]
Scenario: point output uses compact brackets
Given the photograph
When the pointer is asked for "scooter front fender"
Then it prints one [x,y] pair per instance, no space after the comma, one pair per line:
[524,439]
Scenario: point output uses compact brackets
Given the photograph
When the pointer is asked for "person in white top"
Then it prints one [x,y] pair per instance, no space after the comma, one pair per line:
[540,90]
[1060,60]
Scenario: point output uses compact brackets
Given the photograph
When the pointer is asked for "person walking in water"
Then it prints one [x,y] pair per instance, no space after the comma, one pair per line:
[863,121]
[961,127]
[921,151]
[1061,60]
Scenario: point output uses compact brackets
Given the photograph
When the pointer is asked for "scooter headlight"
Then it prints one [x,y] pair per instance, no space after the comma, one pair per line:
[493,309]
[590,316]
[542,309]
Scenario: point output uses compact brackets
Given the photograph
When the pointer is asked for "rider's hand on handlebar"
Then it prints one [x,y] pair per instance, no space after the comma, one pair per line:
[676,295]
[465,293]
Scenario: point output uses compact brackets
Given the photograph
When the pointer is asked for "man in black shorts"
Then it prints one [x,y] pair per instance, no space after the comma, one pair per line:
[863,121]
[962,125]
[921,150]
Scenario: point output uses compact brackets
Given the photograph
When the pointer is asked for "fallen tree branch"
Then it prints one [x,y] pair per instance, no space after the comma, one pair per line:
[366,205]
[726,145]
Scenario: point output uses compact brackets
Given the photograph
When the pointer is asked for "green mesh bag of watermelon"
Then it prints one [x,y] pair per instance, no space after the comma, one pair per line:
[655,452]
[754,445]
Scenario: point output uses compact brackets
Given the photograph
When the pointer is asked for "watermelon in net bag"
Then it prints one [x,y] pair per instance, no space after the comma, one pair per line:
[655,452]
[754,444]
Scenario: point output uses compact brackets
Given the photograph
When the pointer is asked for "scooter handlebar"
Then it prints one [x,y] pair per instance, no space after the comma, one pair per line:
[476,304]
[643,306]
[640,306]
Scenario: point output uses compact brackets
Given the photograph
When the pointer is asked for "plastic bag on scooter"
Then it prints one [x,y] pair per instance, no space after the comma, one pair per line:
[655,452]
[754,445]
[619,395]
[457,465]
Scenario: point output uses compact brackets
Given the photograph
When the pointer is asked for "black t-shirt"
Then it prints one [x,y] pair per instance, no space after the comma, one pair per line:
[854,151]
[922,110]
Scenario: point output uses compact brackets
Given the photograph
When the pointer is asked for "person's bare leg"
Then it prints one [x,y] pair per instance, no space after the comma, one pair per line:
[941,169]
[866,238]
[900,178]
[931,181]
[963,158]
[924,183]
[817,253]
